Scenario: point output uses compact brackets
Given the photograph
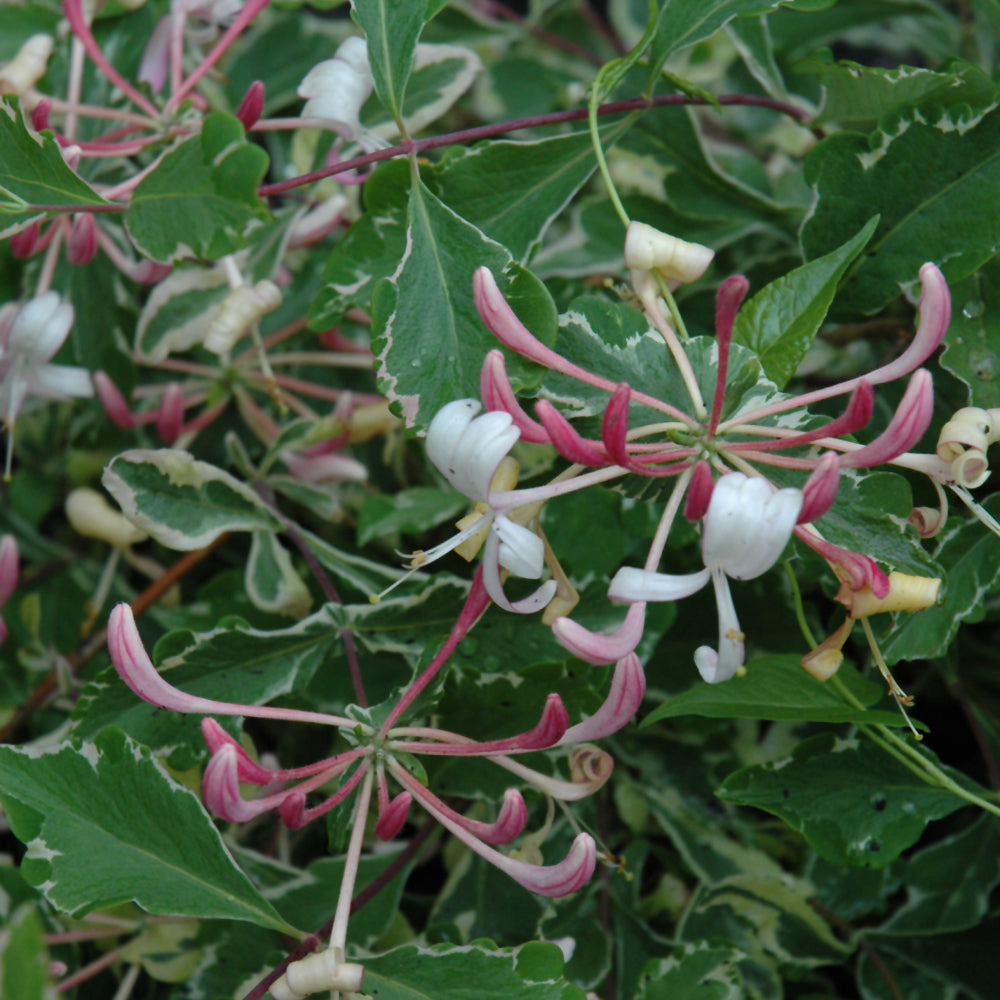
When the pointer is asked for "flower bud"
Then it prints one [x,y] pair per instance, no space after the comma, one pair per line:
[317,973]
[112,401]
[23,244]
[251,106]
[906,593]
[93,517]
[243,306]
[28,66]
[648,249]
[82,243]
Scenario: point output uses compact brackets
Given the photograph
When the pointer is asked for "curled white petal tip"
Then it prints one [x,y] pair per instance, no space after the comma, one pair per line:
[633,584]
[320,972]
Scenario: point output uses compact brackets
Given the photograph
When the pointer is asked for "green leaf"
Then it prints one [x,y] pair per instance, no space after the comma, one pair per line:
[233,663]
[370,250]
[429,340]
[271,580]
[470,972]
[972,344]
[971,564]
[694,972]
[513,190]
[769,914]
[930,174]
[408,511]
[773,688]
[24,964]
[685,22]
[781,321]
[948,885]
[202,197]
[857,96]
[391,31]
[853,803]
[104,824]
[33,172]
[183,503]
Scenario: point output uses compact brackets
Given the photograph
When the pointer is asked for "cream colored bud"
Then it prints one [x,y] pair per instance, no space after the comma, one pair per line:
[318,973]
[906,593]
[243,306]
[823,663]
[29,65]
[93,517]
[970,427]
[927,520]
[648,249]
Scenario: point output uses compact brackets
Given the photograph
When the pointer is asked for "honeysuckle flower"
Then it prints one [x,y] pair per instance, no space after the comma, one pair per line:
[30,336]
[382,753]
[746,528]
[471,452]
[9,573]
[696,447]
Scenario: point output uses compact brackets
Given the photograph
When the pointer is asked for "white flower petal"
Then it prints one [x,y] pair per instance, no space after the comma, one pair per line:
[631,584]
[446,430]
[59,382]
[521,551]
[41,327]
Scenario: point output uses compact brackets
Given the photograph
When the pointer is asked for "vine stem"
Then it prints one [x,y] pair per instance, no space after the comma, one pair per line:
[414,147]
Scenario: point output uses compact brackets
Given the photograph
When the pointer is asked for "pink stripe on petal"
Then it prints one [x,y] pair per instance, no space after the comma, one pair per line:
[497,394]
[820,489]
[547,733]
[597,648]
[628,685]
[907,427]
[566,440]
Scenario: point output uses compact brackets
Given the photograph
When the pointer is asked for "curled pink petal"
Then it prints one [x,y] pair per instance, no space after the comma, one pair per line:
[699,493]
[820,489]
[628,686]
[857,570]
[597,648]
[221,789]
[392,816]
[547,733]
[614,427]
[553,881]
[935,315]
[566,440]
[907,427]
[497,394]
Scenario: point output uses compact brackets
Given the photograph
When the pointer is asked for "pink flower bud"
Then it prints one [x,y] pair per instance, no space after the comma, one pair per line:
[820,489]
[699,493]
[597,648]
[170,416]
[112,401]
[392,816]
[9,567]
[251,106]
[497,394]
[40,115]
[23,244]
[82,243]
[628,686]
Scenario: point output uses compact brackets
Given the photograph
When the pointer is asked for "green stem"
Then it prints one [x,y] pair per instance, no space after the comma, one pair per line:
[800,611]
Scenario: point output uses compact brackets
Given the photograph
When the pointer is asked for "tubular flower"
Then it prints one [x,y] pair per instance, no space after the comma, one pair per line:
[768,429]
[745,530]
[376,755]
[9,573]
[471,452]
[30,336]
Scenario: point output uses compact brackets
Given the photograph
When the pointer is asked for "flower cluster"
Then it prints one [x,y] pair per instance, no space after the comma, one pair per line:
[721,467]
